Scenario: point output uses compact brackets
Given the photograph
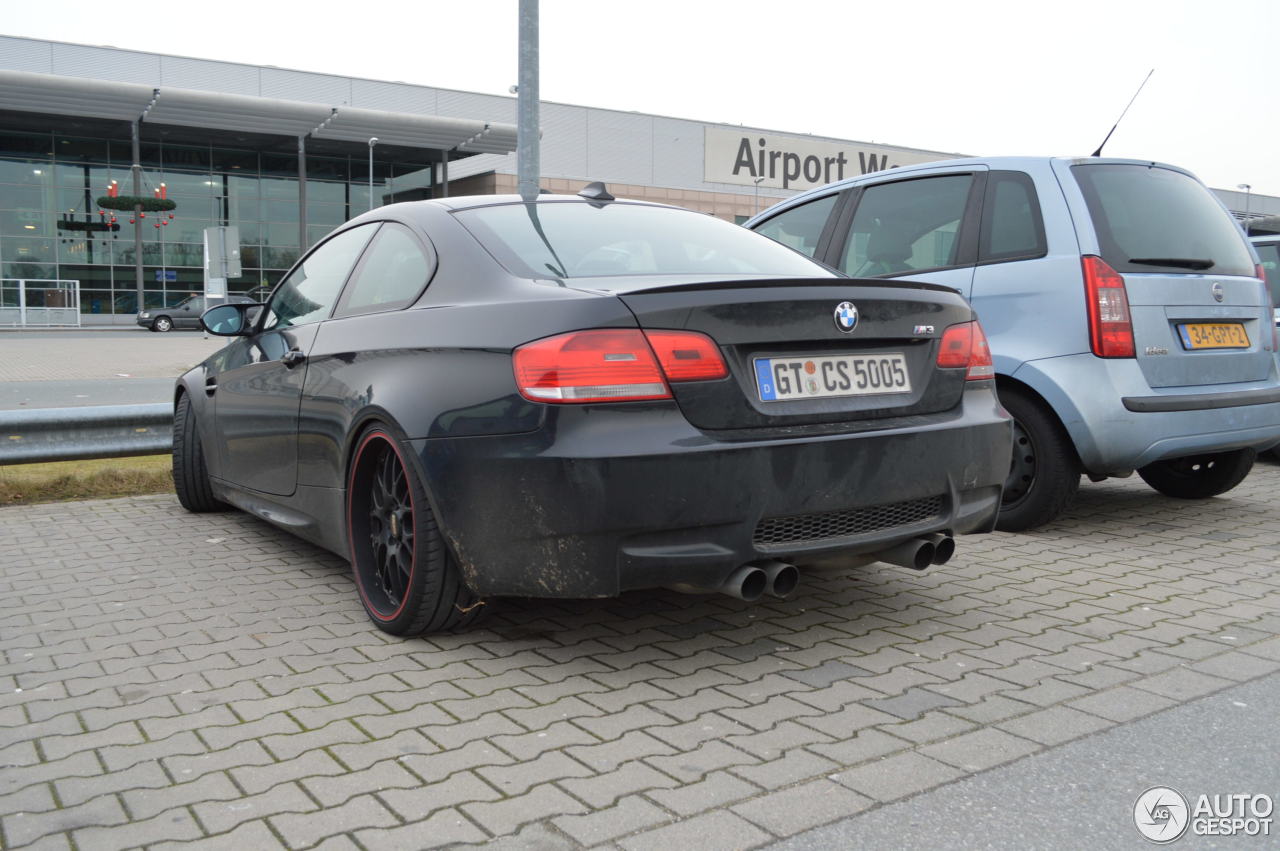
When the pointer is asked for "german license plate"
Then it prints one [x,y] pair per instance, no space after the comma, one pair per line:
[819,377]
[1213,335]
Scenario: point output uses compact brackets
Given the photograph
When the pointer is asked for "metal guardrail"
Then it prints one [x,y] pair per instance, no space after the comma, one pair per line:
[73,434]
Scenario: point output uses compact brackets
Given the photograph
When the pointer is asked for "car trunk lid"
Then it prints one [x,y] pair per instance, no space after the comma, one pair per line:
[790,361]
[1192,330]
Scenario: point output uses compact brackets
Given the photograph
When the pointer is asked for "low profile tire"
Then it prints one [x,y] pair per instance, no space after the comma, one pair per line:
[1199,476]
[1044,474]
[190,475]
[162,323]
[408,580]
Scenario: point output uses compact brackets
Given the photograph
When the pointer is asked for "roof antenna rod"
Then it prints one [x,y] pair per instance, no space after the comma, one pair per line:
[1098,152]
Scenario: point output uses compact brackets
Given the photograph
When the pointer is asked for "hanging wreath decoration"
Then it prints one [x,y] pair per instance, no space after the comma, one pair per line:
[113,200]
[126,203]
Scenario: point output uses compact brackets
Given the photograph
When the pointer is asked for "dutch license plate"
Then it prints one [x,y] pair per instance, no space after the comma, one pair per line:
[820,377]
[1213,335]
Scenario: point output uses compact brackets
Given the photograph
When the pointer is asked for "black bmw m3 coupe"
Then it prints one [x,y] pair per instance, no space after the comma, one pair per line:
[578,396]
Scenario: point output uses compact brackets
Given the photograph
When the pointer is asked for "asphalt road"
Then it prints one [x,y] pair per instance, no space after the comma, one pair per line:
[98,366]
[18,395]
[1081,795]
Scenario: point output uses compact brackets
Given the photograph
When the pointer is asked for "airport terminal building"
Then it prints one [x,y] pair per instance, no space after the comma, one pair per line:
[284,156]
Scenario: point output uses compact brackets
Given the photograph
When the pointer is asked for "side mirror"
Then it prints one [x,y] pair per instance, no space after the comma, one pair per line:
[229,320]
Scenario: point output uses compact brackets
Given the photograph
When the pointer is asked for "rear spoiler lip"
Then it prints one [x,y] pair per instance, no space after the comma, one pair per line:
[757,283]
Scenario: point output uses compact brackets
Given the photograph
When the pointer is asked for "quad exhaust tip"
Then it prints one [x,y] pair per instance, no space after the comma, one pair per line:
[944,547]
[752,581]
[782,578]
[747,583]
[920,553]
[917,554]
[778,579]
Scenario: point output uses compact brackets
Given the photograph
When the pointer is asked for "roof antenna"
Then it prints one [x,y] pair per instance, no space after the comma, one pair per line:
[1098,152]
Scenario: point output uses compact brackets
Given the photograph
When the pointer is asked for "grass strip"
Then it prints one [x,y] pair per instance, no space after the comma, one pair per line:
[58,481]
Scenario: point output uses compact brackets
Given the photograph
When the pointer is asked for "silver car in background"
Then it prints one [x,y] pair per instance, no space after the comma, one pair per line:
[1127,318]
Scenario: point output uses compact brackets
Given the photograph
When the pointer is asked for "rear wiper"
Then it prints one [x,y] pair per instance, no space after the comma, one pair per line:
[1179,262]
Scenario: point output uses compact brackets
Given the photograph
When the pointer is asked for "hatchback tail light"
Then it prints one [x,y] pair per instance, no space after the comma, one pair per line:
[614,365]
[965,346]
[1110,326]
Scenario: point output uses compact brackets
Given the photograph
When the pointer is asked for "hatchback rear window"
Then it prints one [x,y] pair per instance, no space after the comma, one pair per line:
[1152,219]
[571,239]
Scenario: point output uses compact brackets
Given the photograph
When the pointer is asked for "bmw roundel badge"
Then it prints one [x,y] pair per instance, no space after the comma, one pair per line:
[846,316]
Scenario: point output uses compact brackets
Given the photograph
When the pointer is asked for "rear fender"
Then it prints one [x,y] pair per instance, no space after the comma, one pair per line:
[1037,385]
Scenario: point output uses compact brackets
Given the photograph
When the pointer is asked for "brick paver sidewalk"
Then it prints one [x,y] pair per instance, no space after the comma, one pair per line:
[211,682]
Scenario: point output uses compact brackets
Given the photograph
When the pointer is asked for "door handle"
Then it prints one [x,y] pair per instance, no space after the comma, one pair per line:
[293,357]
[210,385]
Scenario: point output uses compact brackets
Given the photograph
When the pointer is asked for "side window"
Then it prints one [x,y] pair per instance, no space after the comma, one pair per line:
[309,291]
[394,271]
[1269,254]
[906,225]
[800,227]
[1012,228]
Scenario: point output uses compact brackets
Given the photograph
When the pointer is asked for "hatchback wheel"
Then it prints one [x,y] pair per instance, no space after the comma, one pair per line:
[1199,476]
[407,578]
[162,323]
[1043,473]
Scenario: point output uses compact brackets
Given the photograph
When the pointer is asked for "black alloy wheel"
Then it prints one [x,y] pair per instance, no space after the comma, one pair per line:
[390,530]
[190,474]
[1199,476]
[408,582]
[1043,472]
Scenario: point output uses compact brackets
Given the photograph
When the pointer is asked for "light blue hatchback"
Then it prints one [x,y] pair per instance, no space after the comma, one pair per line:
[1129,324]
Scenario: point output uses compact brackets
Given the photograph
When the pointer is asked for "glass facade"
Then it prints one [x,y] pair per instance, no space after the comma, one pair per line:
[50,226]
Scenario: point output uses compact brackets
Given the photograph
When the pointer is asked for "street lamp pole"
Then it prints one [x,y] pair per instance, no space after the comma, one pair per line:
[373,141]
[528,152]
[757,208]
[1247,189]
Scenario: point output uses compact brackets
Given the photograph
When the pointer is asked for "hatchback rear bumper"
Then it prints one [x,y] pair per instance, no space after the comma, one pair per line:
[605,499]
[1119,423]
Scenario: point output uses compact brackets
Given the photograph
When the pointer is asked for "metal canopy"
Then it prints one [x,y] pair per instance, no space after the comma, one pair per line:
[353,124]
[189,108]
[24,91]
[27,92]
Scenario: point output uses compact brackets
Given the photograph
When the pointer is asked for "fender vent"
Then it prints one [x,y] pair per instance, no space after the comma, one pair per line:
[804,528]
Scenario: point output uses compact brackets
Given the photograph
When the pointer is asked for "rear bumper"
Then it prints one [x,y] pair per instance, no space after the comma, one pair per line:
[1200,401]
[605,499]
[1117,423]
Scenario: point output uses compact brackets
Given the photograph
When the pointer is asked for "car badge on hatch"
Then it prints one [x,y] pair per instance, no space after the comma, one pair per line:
[846,316]
[1218,292]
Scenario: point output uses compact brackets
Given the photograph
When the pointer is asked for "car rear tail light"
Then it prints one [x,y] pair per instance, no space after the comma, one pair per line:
[687,355]
[1110,326]
[613,365]
[1260,272]
[965,346]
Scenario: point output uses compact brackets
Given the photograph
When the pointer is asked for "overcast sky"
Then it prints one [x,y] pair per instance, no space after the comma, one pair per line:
[982,77]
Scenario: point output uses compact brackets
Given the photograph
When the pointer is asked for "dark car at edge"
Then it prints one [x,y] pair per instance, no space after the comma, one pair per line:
[580,396]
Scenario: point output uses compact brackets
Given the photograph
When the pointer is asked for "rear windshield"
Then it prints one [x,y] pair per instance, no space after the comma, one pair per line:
[1269,254]
[571,239]
[1157,220]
